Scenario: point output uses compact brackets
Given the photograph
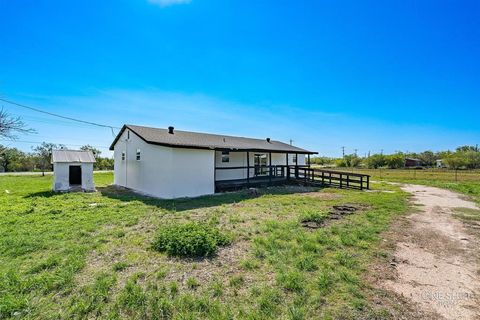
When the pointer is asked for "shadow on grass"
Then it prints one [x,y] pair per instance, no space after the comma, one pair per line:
[183,204]
[43,194]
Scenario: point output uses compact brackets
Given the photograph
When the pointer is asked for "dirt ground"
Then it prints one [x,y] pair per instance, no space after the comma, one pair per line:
[437,258]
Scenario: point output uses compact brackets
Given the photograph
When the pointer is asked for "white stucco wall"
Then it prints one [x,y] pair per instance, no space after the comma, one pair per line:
[239,159]
[163,172]
[61,176]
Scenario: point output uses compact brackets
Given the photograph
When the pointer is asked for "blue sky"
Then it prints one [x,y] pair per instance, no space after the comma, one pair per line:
[367,75]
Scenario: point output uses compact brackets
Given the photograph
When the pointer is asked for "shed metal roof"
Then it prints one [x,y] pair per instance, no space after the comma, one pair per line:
[186,139]
[73,156]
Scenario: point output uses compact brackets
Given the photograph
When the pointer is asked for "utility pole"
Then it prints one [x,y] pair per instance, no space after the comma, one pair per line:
[355,152]
[381,152]
[291,142]
[343,152]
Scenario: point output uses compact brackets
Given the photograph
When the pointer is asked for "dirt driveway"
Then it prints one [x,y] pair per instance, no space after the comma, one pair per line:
[436,260]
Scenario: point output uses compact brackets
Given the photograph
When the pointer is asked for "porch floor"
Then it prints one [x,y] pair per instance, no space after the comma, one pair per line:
[225,185]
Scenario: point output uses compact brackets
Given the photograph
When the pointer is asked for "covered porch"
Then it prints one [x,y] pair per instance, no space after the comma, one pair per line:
[253,168]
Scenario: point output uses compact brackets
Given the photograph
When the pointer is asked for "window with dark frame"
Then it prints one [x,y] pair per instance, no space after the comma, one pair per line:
[123,155]
[295,159]
[225,156]
[138,154]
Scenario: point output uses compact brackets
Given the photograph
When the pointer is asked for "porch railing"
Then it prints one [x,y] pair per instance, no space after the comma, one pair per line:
[306,175]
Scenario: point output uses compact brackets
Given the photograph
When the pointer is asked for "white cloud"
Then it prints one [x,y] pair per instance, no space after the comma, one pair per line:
[166,3]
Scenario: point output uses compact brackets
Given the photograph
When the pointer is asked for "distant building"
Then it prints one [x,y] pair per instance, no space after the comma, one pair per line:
[412,163]
[73,170]
[440,164]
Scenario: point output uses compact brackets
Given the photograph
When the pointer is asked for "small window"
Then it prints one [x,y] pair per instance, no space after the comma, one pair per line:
[138,154]
[225,156]
[123,155]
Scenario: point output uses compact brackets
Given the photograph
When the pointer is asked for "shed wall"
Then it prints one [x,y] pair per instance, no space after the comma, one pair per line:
[61,176]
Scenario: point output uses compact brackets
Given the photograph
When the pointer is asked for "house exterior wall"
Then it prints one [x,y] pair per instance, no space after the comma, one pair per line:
[61,176]
[239,159]
[163,172]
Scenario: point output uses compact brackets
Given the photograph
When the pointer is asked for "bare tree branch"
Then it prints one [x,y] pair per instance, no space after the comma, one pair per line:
[10,125]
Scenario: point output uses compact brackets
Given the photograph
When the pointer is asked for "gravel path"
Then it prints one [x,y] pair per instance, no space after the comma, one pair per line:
[437,261]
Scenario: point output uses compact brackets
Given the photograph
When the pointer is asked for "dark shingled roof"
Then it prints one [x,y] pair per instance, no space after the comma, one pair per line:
[195,140]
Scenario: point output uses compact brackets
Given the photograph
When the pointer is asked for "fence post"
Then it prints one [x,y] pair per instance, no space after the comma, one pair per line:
[361,182]
[341,181]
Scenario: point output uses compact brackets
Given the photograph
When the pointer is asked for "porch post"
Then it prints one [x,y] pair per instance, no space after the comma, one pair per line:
[308,160]
[296,165]
[287,168]
[270,167]
[248,169]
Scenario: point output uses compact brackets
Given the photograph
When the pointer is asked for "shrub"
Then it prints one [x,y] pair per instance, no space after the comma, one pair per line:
[189,240]
[313,216]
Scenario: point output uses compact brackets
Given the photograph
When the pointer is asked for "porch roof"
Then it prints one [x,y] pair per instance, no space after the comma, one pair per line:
[196,140]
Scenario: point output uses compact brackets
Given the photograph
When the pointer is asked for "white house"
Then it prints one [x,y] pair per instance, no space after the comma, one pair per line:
[168,163]
[73,170]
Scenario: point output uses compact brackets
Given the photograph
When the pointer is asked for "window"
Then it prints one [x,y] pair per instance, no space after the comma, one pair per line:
[123,155]
[225,156]
[295,159]
[138,154]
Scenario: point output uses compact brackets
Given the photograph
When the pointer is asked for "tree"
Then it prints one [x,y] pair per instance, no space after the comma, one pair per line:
[10,158]
[88,147]
[455,161]
[428,158]
[468,148]
[43,153]
[395,161]
[472,159]
[103,164]
[375,161]
[349,160]
[10,125]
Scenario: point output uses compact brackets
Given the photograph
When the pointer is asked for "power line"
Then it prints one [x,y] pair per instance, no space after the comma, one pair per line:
[59,116]
[67,144]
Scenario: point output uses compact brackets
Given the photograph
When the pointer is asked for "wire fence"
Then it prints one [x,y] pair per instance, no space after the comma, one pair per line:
[438,174]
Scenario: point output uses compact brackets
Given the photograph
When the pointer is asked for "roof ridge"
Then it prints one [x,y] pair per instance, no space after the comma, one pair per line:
[207,133]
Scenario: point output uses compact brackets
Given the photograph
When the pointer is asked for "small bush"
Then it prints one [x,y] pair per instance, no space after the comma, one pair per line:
[120,266]
[192,283]
[313,216]
[189,240]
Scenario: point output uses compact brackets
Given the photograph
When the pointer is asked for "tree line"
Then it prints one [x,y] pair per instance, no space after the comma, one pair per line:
[15,160]
[464,157]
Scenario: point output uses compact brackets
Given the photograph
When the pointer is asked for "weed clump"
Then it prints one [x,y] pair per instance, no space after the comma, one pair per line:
[189,240]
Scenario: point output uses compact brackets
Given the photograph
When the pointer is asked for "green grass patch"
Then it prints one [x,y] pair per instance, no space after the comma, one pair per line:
[191,239]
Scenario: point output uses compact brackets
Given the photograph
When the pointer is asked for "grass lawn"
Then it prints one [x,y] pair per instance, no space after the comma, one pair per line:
[90,255]
[466,182]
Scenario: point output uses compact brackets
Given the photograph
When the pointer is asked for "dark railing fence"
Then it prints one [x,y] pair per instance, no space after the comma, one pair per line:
[305,174]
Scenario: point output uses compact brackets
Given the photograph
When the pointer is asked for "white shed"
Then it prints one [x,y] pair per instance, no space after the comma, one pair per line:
[73,170]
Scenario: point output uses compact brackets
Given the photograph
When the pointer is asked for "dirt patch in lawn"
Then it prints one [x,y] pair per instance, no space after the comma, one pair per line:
[337,212]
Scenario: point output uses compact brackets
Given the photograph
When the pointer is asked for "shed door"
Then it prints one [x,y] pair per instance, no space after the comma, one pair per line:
[75,175]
